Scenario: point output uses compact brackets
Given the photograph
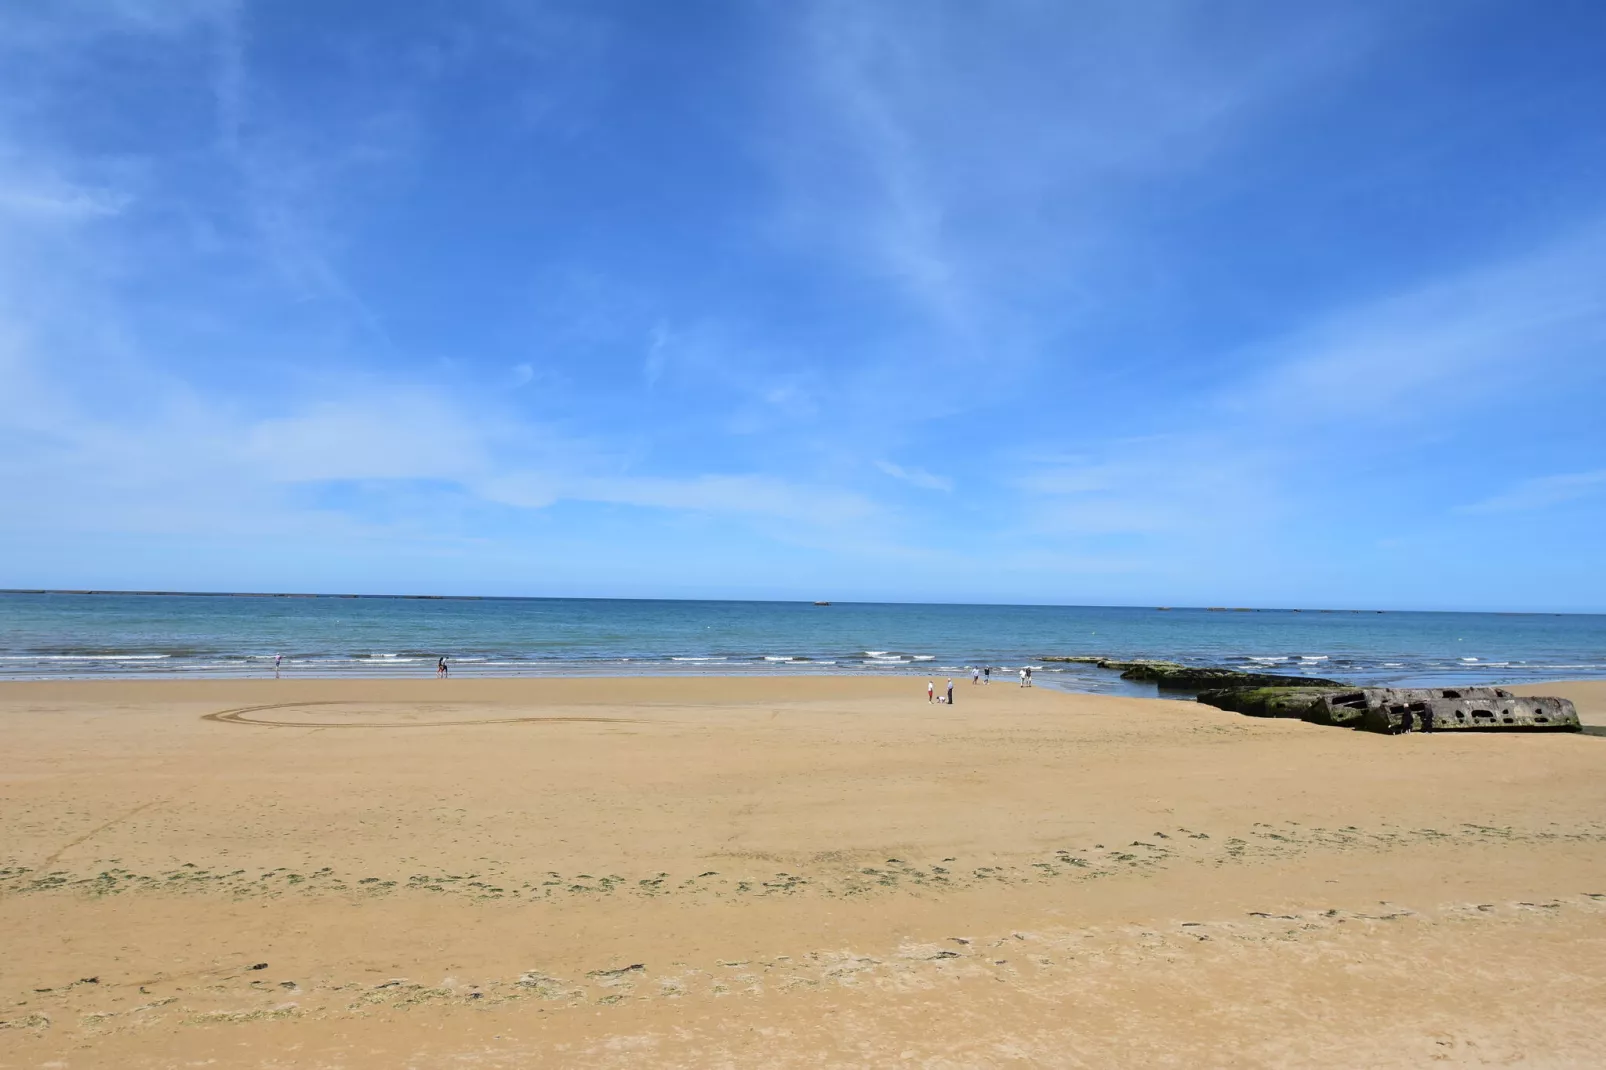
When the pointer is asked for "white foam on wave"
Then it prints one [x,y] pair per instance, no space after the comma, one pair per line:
[875,653]
[925,657]
[697,659]
[771,657]
[1469,660]
[84,657]
[1268,660]
[1313,657]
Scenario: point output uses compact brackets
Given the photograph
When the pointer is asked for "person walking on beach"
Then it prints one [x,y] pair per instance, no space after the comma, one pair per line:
[931,692]
[986,674]
[1023,677]
[950,691]
[276,659]
[441,671]
[975,676]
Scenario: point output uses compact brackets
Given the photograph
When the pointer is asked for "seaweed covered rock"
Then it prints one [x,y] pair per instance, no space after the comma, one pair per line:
[1192,678]
[1174,676]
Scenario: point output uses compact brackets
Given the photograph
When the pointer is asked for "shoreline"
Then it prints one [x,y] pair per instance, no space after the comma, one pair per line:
[1045,675]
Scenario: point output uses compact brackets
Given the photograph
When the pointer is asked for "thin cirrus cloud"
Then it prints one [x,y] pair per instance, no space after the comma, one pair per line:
[917,477]
[941,185]
[1544,492]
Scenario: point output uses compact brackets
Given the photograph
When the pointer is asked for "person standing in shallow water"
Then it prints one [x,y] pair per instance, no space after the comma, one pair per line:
[277,658]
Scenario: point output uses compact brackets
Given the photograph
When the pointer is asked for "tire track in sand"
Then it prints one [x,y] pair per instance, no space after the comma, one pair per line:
[96,831]
[241,716]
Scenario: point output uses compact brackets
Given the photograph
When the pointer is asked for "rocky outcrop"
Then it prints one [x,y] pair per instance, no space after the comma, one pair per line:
[1393,710]
[1173,676]
[1192,678]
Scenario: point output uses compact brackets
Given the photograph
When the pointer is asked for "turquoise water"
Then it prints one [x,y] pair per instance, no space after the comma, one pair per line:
[97,635]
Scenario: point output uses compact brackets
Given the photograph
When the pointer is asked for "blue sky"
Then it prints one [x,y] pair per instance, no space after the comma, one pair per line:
[1120,303]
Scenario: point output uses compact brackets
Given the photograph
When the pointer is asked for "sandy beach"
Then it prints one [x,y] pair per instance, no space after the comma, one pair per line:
[782,872]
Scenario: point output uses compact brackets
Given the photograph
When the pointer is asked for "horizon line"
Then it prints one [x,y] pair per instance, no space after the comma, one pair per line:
[759,601]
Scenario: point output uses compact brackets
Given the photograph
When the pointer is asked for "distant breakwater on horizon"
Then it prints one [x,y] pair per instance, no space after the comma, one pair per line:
[53,635]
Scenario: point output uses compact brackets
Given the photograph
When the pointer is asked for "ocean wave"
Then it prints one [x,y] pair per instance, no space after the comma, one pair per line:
[696,659]
[774,657]
[1313,657]
[1267,660]
[84,657]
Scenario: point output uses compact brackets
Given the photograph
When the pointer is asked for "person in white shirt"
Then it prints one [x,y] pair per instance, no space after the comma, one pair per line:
[931,691]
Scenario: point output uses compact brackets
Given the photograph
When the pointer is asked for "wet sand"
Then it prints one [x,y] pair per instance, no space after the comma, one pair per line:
[786,872]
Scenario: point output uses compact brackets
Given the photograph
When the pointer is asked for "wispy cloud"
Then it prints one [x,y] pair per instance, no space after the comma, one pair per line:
[49,199]
[978,161]
[918,477]
[1543,492]
[1448,341]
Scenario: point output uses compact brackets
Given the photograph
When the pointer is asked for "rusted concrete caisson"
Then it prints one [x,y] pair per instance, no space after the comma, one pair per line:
[1391,710]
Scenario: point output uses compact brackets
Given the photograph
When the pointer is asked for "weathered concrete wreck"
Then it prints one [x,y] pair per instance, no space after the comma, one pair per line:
[1393,710]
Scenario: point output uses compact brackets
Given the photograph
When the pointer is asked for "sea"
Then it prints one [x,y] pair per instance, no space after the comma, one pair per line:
[56,635]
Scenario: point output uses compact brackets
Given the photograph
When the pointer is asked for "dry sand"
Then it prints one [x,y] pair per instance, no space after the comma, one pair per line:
[821,872]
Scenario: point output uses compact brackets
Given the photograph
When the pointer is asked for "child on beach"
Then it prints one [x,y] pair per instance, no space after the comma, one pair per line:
[931,691]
